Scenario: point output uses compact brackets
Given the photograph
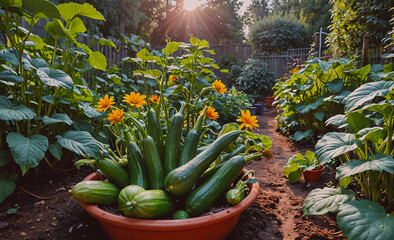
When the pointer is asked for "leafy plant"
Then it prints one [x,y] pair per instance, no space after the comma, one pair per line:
[298,163]
[256,79]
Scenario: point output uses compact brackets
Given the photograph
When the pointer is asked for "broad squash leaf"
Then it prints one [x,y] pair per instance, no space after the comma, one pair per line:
[335,85]
[380,162]
[56,150]
[372,134]
[88,110]
[322,201]
[9,77]
[334,144]
[76,26]
[81,143]
[107,42]
[5,157]
[41,8]
[57,118]
[97,60]
[304,108]
[27,152]
[11,3]
[10,55]
[357,121]
[9,112]
[69,10]
[171,48]
[338,120]
[55,78]
[367,92]
[7,184]
[365,220]
[299,135]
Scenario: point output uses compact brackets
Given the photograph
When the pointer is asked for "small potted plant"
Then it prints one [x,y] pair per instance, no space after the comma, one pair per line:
[307,165]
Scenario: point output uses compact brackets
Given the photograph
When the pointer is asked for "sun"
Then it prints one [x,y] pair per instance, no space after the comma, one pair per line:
[190,5]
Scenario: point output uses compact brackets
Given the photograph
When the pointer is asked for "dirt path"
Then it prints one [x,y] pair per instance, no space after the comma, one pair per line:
[276,213]
[281,202]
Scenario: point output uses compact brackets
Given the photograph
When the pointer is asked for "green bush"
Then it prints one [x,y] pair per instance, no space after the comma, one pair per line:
[256,79]
[276,34]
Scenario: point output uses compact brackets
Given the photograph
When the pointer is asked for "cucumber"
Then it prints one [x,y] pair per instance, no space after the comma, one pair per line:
[154,130]
[202,198]
[172,142]
[180,214]
[151,204]
[189,149]
[95,192]
[113,172]
[235,196]
[153,163]
[137,171]
[181,180]
[126,196]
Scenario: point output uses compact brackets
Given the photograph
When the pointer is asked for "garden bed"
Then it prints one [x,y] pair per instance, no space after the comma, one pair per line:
[276,213]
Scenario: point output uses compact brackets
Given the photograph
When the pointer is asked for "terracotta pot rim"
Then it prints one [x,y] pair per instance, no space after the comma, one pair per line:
[320,169]
[169,225]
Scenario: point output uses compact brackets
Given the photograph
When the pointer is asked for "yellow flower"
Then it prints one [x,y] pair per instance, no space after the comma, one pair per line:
[294,70]
[154,99]
[104,103]
[219,86]
[210,112]
[173,78]
[268,154]
[135,99]
[116,116]
[247,120]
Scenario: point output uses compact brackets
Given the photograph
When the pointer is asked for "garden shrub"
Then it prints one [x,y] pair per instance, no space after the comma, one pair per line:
[275,34]
[256,80]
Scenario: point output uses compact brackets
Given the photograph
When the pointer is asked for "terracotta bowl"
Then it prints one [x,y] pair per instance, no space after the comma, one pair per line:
[215,226]
[313,175]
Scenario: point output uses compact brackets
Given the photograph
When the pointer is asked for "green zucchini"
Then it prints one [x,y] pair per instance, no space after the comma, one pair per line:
[180,214]
[151,204]
[126,196]
[181,180]
[172,142]
[235,196]
[113,172]
[189,148]
[137,171]
[153,162]
[154,130]
[203,197]
[95,192]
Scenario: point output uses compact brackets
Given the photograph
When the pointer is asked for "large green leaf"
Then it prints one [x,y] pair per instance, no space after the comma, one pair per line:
[41,8]
[97,60]
[382,107]
[76,26]
[357,121]
[373,134]
[11,3]
[10,55]
[57,30]
[380,162]
[81,143]
[55,78]
[299,135]
[69,10]
[304,108]
[338,120]
[56,150]
[10,77]
[107,42]
[335,85]
[334,144]
[7,184]
[27,152]
[365,220]
[9,112]
[88,110]
[5,157]
[322,201]
[367,92]
[57,118]
[171,48]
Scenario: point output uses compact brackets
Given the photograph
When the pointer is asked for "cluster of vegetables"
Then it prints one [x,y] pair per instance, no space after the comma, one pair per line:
[183,173]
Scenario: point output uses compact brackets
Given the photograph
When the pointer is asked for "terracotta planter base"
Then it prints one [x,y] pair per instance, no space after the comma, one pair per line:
[215,226]
[313,175]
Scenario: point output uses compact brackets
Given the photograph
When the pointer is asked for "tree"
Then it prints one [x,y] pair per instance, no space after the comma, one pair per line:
[256,11]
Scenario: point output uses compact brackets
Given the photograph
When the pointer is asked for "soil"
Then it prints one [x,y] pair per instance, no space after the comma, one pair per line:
[275,214]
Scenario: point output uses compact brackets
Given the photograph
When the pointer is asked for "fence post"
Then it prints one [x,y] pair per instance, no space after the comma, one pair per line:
[365,50]
[317,43]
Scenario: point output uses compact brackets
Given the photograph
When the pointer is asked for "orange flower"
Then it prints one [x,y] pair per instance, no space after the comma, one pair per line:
[135,99]
[116,116]
[294,70]
[173,78]
[247,120]
[154,99]
[210,112]
[219,86]
[268,154]
[104,103]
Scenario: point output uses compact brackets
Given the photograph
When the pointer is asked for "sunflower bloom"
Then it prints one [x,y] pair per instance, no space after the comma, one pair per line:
[173,78]
[268,154]
[135,99]
[247,120]
[104,103]
[219,86]
[154,99]
[116,116]
[210,112]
